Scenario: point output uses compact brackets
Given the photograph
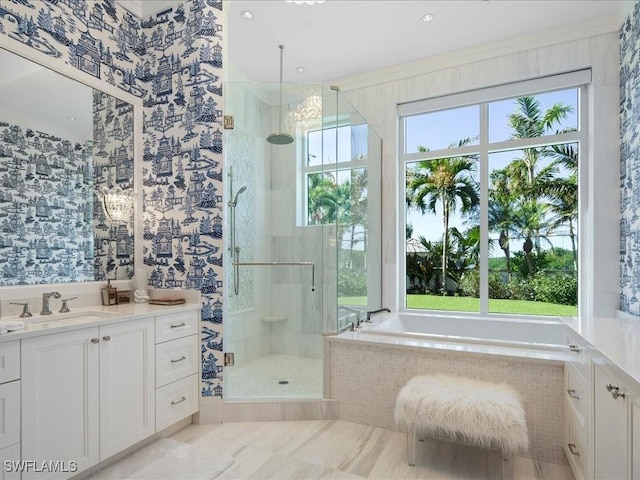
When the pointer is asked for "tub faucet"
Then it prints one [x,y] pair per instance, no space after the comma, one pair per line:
[46,310]
[373,312]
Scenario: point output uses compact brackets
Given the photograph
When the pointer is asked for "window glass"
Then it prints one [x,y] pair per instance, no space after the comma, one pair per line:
[530,224]
[533,116]
[442,129]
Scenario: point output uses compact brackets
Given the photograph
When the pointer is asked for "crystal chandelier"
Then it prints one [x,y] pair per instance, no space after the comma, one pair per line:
[306,116]
[118,204]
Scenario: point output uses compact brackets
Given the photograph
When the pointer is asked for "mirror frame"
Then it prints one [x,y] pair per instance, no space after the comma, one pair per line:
[61,67]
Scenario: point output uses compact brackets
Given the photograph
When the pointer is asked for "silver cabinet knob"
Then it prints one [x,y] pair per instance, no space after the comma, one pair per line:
[575,348]
[572,393]
[573,449]
[95,340]
[106,338]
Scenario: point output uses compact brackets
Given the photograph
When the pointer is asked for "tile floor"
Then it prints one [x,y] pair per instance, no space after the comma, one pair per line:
[260,379]
[335,449]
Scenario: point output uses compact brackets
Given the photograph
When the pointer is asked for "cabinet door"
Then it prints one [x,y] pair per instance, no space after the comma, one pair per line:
[610,427]
[10,463]
[635,457]
[127,385]
[9,414]
[60,399]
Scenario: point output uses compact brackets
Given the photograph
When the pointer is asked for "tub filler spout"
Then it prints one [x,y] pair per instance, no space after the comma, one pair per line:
[373,312]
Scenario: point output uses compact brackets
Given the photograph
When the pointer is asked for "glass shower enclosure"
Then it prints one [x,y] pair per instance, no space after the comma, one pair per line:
[302,234]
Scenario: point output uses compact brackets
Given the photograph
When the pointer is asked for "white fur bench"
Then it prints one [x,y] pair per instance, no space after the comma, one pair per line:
[463,410]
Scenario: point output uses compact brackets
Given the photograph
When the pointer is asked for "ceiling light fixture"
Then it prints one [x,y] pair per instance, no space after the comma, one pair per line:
[307,115]
[304,2]
[427,17]
[300,69]
[246,14]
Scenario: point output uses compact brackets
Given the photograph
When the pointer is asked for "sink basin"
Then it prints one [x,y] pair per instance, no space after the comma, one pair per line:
[89,316]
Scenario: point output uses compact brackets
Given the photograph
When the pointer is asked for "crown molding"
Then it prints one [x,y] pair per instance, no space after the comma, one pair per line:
[543,38]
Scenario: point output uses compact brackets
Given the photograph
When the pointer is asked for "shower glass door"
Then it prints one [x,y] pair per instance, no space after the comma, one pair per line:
[273,258]
[302,234]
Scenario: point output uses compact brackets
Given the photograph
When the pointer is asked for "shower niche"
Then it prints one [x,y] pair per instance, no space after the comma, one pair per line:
[302,241]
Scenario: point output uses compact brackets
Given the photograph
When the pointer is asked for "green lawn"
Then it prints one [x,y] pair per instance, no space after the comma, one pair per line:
[468,304]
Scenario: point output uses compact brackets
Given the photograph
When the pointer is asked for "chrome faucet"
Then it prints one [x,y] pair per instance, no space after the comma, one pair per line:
[45,302]
[374,312]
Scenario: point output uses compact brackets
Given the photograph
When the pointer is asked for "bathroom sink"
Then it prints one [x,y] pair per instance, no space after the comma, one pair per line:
[87,315]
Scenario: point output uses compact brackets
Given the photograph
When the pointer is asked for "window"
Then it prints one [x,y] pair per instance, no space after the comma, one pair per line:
[490,195]
[335,174]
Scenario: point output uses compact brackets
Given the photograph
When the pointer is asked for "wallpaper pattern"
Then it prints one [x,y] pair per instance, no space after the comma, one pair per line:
[45,208]
[173,62]
[630,163]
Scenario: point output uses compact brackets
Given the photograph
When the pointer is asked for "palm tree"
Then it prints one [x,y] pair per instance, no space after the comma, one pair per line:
[563,192]
[527,180]
[448,182]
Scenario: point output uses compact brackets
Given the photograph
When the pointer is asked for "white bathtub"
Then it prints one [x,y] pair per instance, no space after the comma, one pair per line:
[539,334]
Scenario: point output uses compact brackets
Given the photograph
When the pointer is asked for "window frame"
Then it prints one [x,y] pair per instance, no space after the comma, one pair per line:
[579,80]
[306,170]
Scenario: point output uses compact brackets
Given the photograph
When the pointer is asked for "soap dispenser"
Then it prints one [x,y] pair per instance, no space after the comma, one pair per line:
[109,294]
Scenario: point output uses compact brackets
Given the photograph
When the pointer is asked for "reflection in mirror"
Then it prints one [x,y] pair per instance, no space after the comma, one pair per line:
[61,142]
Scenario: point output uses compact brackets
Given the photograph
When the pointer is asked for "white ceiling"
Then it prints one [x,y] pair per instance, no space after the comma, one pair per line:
[36,97]
[342,38]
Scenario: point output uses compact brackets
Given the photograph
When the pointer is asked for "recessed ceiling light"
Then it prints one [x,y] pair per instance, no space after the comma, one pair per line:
[71,118]
[246,14]
[300,69]
[427,17]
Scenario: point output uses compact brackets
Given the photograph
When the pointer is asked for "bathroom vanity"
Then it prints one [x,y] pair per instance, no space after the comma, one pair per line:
[79,388]
[602,399]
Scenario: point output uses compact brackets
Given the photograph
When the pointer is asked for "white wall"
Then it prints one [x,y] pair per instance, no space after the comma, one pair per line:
[376,96]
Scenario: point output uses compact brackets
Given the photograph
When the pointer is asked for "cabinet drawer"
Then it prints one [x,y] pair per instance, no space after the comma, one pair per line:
[9,414]
[10,361]
[176,325]
[576,399]
[176,401]
[576,451]
[579,354]
[176,359]
[10,454]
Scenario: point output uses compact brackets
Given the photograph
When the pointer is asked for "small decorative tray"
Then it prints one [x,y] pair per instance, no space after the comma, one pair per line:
[166,301]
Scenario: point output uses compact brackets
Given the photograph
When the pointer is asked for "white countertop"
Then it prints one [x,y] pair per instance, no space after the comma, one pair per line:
[90,317]
[616,339]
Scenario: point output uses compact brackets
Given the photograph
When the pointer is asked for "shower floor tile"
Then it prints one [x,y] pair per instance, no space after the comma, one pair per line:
[263,378]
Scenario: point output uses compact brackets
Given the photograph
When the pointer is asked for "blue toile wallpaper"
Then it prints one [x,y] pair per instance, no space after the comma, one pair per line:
[46,208]
[173,62]
[630,163]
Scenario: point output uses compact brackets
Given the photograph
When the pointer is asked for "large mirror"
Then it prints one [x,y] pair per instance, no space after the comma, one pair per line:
[61,144]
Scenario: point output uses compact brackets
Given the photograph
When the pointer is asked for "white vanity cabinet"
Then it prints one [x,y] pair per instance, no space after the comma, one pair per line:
[577,395]
[87,394]
[611,425]
[9,409]
[177,366]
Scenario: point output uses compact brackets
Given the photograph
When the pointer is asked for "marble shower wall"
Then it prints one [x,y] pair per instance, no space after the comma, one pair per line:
[173,62]
[630,163]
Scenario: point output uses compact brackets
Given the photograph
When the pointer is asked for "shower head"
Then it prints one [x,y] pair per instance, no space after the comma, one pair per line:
[235,200]
[280,138]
